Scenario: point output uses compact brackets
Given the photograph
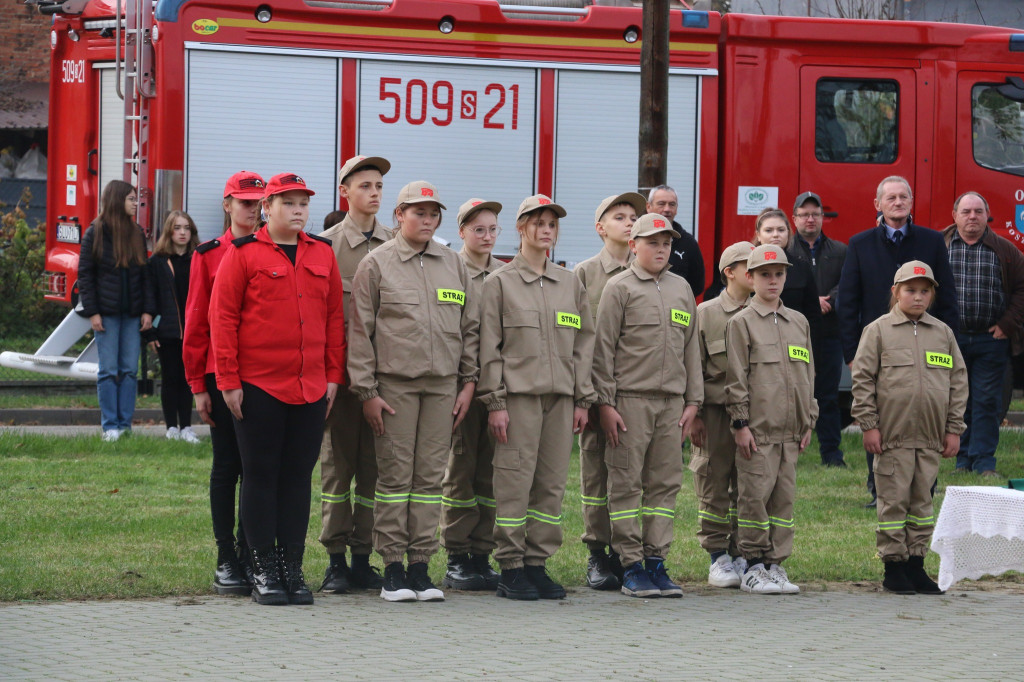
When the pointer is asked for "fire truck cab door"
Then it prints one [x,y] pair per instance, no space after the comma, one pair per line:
[857,126]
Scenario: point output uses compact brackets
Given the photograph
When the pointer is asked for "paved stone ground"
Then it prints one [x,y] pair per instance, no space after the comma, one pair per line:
[590,636]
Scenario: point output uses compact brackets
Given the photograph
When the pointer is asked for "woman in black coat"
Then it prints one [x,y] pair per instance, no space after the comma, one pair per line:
[113,288]
[169,269]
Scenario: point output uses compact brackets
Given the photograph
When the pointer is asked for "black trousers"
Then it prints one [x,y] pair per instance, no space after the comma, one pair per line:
[280,445]
[226,471]
[175,395]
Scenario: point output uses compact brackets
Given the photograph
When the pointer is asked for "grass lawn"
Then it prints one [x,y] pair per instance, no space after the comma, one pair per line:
[80,518]
[61,400]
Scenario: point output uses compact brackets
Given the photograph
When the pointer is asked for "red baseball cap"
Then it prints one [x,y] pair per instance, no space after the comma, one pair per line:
[245,185]
[286,182]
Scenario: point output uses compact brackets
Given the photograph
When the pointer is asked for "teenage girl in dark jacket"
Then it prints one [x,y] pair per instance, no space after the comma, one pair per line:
[115,296]
[168,276]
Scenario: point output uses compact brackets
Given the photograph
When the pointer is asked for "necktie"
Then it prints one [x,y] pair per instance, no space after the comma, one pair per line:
[897,238]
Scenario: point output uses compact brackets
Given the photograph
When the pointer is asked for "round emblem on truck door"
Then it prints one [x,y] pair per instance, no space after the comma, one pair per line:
[205,27]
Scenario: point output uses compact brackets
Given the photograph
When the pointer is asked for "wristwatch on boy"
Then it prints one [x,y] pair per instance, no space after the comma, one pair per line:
[738,424]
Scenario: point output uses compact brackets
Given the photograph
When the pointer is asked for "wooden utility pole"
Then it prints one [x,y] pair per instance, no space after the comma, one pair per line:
[654,95]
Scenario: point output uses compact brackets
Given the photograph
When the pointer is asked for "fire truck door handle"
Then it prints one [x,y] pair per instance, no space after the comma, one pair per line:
[831,214]
[90,164]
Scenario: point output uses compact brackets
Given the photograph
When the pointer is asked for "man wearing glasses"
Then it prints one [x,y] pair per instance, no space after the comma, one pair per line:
[825,257]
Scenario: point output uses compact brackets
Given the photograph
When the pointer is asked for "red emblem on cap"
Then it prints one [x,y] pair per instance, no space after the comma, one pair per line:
[477,203]
[770,255]
[919,271]
[658,223]
[543,202]
[426,192]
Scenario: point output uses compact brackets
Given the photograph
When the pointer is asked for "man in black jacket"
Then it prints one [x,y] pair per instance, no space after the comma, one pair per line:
[826,257]
[872,259]
[685,259]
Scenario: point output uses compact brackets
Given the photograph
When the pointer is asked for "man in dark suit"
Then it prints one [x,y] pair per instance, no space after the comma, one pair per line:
[872,259]
[685,259]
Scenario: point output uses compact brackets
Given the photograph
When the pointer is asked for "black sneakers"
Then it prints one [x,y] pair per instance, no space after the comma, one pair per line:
[396,587]
[462,574]
[896,580]
[600,575]
[482,565]
[419,581]
[336,579]
[513,584]
[546,587]
[363,576]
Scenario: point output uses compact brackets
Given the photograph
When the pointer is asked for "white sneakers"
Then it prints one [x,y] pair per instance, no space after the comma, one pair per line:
[723,573]
[778,575]
[757,581]
[111,435]
[188,435]
[739,564]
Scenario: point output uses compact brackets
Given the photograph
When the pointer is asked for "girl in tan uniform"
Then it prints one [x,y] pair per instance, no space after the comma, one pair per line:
[413,364]
[536,351]
[909,396]
[467,518]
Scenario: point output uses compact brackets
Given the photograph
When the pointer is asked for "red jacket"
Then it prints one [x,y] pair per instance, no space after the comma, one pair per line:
[277,326]
[196,340]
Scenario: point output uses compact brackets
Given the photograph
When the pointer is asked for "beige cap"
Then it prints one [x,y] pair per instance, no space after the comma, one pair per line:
[419,192]
[537,201]
[357,162]
[740,251]
[651,223]
[635,200]
[767,254]
[915,269]
[472,206]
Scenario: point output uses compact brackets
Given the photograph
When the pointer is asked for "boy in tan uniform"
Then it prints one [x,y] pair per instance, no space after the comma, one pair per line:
[646,368]
[909,396]
[347,450]
[769,391]
[467,516]
[714,450]
[414,340]
[613,219]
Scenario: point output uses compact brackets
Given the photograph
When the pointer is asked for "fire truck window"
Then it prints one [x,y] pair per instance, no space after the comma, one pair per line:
[856,121]
[998,126]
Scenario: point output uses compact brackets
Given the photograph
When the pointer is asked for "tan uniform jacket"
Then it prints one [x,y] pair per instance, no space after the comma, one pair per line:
[350,247]
[770,376]
[712,318]
[537,335]
[647,338]
[904,387]
[477,274]
[595,273]
[414,316]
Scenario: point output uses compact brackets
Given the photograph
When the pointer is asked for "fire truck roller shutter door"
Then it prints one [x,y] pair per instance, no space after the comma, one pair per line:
[261,112]
[470,129]
[597,138]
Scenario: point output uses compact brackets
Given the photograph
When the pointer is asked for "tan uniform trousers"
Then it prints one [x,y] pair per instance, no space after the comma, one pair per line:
[411,457]
[348,452]
[766,484]
[714,482]
[645,472]
[530,473]
[597,531]
[906,519]
[467,516]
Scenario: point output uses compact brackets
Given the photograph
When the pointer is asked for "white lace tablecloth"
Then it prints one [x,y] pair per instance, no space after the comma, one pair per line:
[980,531]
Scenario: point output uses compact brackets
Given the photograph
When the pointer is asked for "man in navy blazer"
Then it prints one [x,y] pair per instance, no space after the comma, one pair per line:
[872,258]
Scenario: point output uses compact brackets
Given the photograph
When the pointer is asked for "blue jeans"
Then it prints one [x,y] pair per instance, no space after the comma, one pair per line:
[828,370]
[986,359]
[118,344]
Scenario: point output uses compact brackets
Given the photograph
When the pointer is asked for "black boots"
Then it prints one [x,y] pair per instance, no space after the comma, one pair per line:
[336,579]
[267,588]
[230,578]
[290,559]
[896,580]
[600,574]
[482,565]
[462,574]
[363,576]
[918,578]
[546,587]
[513,584]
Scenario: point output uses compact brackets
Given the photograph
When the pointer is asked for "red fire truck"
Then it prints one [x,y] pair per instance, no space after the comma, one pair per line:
[504,99]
